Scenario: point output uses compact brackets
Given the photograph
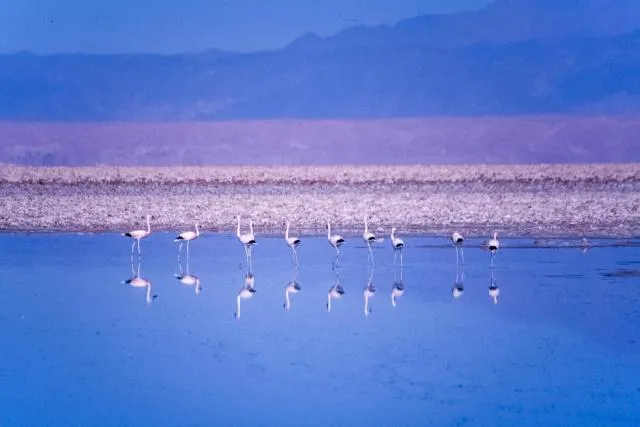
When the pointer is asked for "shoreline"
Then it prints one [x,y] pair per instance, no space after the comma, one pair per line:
[523,200]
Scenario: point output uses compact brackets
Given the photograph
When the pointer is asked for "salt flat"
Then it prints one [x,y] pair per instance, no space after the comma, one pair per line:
[601,199]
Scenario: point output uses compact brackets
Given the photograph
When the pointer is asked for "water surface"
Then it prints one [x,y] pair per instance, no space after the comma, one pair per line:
[560,347]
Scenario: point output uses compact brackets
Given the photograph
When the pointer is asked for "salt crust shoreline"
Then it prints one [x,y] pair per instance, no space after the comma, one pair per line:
[476,199]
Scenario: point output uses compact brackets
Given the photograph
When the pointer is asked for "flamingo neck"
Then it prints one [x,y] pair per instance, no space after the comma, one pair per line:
[238,229]
[286,233]
[329,230]
[495,236]
[238,306]
[197,229]
[286,297]
[329,301]
[366,225]
[366,304]
[393,299]
[148,225]
[148,293]
[251,226]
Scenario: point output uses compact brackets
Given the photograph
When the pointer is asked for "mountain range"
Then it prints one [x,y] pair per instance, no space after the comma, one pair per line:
[513,57]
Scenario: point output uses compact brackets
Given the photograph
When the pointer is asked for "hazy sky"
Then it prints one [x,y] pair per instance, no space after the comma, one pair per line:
[107,26]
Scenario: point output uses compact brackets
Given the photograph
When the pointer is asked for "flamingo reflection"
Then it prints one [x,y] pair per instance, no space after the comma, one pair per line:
[368,292]
[188,279]
[293,287]
[137,281]
[494,290]
[335,292]
[246,292]
[398,288]
[458,285]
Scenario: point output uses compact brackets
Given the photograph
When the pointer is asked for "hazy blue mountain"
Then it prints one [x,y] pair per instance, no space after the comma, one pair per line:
[513,57]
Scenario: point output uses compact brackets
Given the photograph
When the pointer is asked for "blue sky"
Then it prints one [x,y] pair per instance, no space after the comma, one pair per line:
[168,26]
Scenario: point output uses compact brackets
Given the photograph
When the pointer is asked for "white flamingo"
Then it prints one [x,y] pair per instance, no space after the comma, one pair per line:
[493,246]
[336,241]
[244,293]
[397,244]
[247,240]
[137,235]
[292,242]
[187,236]
[457,240]
[137,281]
[292,288]
[368,238]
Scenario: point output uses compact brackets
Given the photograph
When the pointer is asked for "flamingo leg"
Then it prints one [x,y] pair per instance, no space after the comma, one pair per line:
[462,254]
[295,255]
[371,255]
[138,247]
[395,253]
[179,250]
[133,244]
[188,249]
[400,261]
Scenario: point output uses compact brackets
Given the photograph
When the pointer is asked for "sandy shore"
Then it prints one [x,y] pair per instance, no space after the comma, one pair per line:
[524,200]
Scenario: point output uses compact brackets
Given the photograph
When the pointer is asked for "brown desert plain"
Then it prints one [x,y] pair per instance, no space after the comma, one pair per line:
[420,175]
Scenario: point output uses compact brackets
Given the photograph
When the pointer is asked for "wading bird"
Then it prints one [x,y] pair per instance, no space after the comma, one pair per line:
[336,241]
[292,242]
[369,291]
[493,246]
[397,245]
[137,235]
[368,238]
[187,236]
[189,279]
[457,240]
[247,240]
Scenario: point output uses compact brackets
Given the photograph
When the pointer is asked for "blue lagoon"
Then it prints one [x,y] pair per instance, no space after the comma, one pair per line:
[548,337]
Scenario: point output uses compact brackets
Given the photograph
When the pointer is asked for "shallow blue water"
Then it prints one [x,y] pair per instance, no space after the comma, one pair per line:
[561,347]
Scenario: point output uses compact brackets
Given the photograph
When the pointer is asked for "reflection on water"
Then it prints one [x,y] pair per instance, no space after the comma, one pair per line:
[494,290]
[369,291]
[458,284]
[397,290]
[188,279]
[246,291]
[335,292]
[137,281]
[562,349]
[293,287]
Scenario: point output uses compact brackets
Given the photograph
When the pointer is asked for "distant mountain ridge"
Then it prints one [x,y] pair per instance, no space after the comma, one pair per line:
[513,57]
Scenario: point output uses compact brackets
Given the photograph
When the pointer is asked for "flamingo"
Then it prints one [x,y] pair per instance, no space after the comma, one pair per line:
[397,244]
[292,242]
[368,238]
[457,240]
[244,293]
[247,240]
[138,281]
[187,236]
[137,235]
[292,288]
[493,246]
[336,241]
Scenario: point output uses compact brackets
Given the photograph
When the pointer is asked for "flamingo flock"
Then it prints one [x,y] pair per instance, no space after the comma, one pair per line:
[336,241]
